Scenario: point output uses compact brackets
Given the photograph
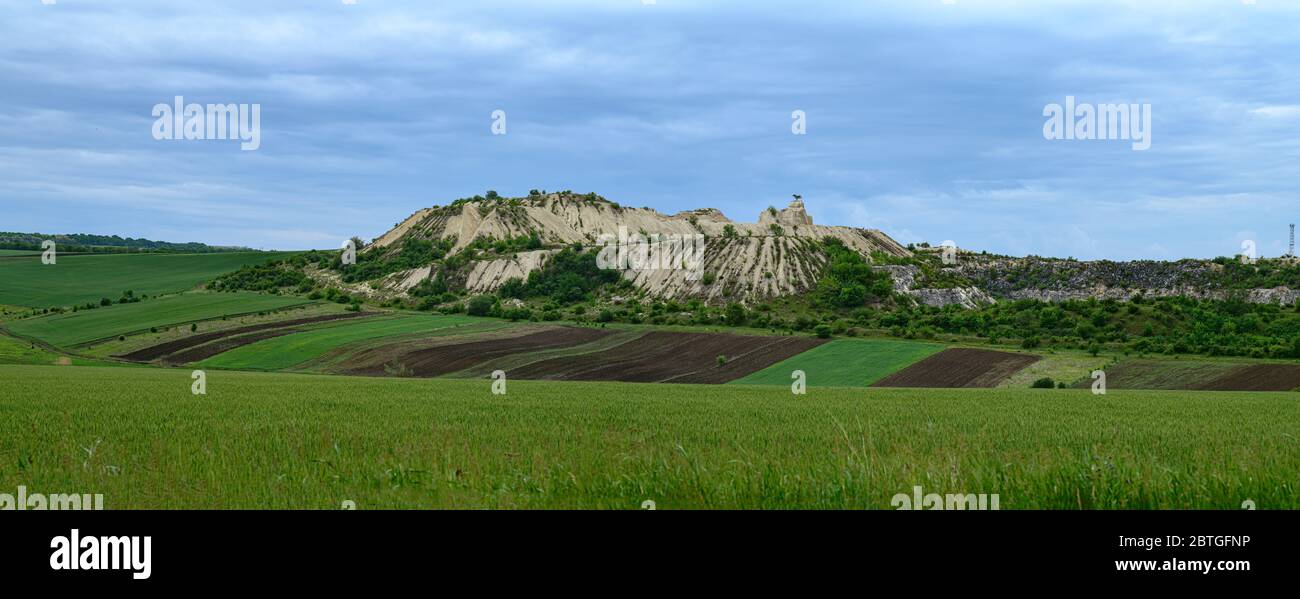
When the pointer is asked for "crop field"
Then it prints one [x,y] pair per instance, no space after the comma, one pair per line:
[269,440]
[75,328]
[660,356]
[292,350]
[960,367]
[844,363]
[79,279]
[193,339]
[1210,375]
[447,358]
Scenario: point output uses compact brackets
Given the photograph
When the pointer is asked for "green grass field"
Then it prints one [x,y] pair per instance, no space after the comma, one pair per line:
[19,253]
[265,440]
[285,352]
[844,363]
[73,328]
[80,279]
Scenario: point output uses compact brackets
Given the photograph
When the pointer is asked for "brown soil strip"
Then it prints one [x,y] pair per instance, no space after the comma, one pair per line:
[204,352]
[737,367]
[1257,377]
[959,367]
[676,357]
[443,359]
[154,352]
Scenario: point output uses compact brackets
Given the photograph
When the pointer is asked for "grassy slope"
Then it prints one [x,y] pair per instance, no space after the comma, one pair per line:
[18,351]
[844,363]
[260,440]
[284,352]
[81,279]
[72,328]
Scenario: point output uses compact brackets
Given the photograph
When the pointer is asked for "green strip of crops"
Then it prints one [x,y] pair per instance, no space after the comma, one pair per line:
[73,328]
[75,280]
[283,352]
[844,363]
[269,440]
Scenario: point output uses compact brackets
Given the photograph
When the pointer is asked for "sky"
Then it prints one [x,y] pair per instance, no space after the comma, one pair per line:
[923,119]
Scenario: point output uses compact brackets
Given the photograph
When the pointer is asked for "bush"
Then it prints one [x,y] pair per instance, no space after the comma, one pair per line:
[736,315]
[722,360]
[822,331]
[1030,343]
[1044,383]
[481,305]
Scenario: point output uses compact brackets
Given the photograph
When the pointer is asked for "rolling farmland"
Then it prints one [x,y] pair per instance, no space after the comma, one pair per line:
[78,279]
[292,350]
[262,440]
[75,328]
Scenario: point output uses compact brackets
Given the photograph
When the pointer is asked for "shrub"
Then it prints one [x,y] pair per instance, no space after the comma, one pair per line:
[1044,383]
[481,305]
[1030,343]
[822,331]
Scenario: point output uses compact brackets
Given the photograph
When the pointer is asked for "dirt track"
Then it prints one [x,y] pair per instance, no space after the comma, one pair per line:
[959,367]
[154,352]
[672,357]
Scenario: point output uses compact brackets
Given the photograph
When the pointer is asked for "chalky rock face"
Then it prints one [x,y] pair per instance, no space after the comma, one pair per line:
[793,215]
[747,261]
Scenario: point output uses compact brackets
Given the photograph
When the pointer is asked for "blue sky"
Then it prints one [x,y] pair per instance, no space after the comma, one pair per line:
[923,119]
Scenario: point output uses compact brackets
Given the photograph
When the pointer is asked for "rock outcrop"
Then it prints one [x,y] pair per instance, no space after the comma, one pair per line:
[744,261]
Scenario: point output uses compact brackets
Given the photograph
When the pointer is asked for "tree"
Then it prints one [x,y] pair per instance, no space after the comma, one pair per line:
[481,305]
[736,315]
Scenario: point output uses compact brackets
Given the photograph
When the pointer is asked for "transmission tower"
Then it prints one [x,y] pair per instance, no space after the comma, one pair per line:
[1291,252]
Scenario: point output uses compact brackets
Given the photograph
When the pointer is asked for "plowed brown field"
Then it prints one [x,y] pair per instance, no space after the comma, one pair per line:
[672,357]
[154,352]
[959,367]
[444,359]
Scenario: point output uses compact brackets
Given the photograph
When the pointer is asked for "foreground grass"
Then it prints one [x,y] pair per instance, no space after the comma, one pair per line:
[87,278]
[73,328]
[845,363]
[260,440]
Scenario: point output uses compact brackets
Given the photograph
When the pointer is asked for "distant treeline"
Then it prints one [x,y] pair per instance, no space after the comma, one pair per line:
[106,244]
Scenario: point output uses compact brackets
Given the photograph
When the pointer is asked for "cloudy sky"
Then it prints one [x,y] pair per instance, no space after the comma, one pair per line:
[924,119]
